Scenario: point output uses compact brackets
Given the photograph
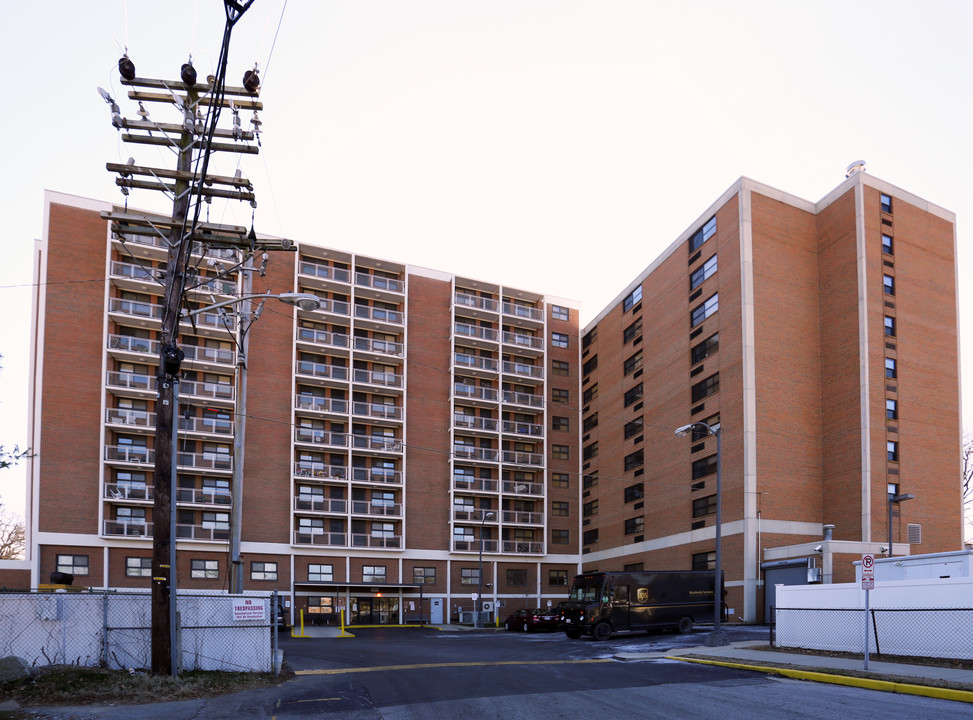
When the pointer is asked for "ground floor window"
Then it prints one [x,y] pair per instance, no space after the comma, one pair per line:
[204,569]
[138,567]
[263,571]
[72,564]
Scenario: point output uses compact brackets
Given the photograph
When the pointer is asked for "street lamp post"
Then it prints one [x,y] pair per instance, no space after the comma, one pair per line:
[895,499]
[479,595]
[718,636]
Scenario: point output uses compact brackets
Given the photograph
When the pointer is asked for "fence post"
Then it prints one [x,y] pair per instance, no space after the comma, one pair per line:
[275,626]
[104,629]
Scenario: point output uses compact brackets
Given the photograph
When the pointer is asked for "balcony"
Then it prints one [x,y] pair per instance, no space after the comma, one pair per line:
[321,404]
[464,514]
[131,381]
[224,323]
[134,308]
[144,276]
[467,452]
[379,282]
[335,506]
[305,469]
[204,496]
[118,344]
[129,454]
[377,443]
[202,532]
[133,419]
[525,399]
[513,457]
[473,422]
[372,377]
[379,347]
[322,370]
[127,529]
[381,315]
[329,539]
[376,475]
[475,393]
[377,410]
[205,426]
[523,547]
[528,342]
[489,546]
[524,312]
[476,363]
[463,483]
[323,338]
[475,302]
[210,355]
[206,390]
[128,491]
[324,272]
[523,488]
[204,460]
[522,517]
[334,307]
[523,428]
[375,541]
[318,436]
[534,372]
[212,286]
[364,507]
[476,332]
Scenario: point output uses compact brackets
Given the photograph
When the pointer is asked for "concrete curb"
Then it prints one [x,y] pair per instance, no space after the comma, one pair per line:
[882,685]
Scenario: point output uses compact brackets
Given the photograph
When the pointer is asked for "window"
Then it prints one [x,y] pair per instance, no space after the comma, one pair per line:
[703,467]
[516,577]
[130,516]
[704,506]
[590,423]
[704,561]
[886,203]
[888,284]
[634,492]
[589,338]
[890,369]
[629,333]
[263,571]
[589,451]
[589,366]
[424,575]
[633,394]
[891,409]
[631,299]
[469,576]
[320,604]
[704,349]
[889,326]
[560,480]
[204,569]
[634,567]
[892,450]
[559,312]
[561,424]
[138,567]
[560,395]
[560,537]
[559,339]
[557,577]
[590,394]
[560,509]
[560,452]
[633,363]
[590,537]
[634,427]
[701,273]
[633,526]
[700,433]
[634,460]
[701,312]
[320,573]
[703,234]
[589,509]
[373,573]
[707,387]
[560,367]
[887,246]
[589,481]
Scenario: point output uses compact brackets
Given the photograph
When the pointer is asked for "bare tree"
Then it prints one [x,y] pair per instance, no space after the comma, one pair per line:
[12,536]
[9,458]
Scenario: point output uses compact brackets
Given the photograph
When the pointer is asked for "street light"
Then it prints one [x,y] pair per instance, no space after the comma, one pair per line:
[718,636]
[303,301]
[895,499]
[479,595]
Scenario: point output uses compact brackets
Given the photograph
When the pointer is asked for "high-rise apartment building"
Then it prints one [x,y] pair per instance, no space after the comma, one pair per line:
[417,417]
[821,339]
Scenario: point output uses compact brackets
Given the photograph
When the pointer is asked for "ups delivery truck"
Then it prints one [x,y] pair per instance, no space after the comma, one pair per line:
[602,603]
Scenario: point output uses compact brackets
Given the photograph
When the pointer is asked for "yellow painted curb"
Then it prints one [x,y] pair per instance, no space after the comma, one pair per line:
[868,683]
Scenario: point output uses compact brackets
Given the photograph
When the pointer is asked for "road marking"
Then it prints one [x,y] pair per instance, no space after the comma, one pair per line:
[291,702]
[428,666]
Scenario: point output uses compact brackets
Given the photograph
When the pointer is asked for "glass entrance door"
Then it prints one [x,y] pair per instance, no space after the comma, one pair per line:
[375,611]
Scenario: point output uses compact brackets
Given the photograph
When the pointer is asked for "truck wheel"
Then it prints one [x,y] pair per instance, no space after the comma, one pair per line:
[685,625]
[506,626]
[602,631]
[573,633]
[526,626]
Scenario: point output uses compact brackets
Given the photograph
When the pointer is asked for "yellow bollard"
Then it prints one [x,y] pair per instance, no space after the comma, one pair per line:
[341,616]
[301,635]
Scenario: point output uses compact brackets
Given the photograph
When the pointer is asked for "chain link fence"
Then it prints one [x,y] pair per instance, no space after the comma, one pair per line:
[114,630]
[943,633]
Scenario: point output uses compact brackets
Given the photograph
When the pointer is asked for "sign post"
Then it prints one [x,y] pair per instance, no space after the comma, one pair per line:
[868,584]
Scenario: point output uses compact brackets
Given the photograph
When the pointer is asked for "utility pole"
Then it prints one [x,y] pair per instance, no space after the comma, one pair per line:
[193,140]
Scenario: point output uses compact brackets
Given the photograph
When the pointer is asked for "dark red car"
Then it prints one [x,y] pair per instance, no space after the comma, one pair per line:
[530,620]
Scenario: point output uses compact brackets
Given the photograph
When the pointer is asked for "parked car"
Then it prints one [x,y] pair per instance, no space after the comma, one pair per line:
[281,616]
[529,620]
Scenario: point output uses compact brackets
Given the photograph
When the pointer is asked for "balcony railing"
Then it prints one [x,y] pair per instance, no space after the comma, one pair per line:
[464,514]
[304,503]
[324,271]
[379,314]
[462,482]
[523,488]
[137,272]
[475,331]
[523,428]
[372,377]
[320,471]
[320,437]
[134,308]
[377,410]
[379,283]
[475,392]
[379,347]
[211,320]
[203,496]
[323,337]
[476,362]
[322,370]
[201,532]
[201,353]
[321,404]
[523,369]
[523,547]
[134,381]
[466,452]
[523,311]
[522,517]
[489,546]
[217,391]
[474,422]
[329,539]
[475,301]
[129,454]
[212,286]
[521,340]
[149,240]
[128,529]
[377,475]
[364,507]
[381,444]
[375,541]
[129,491]
[335,307]
[214,426]
[522,458]
[519,398]
[130,418]
[204,460]
[128,343]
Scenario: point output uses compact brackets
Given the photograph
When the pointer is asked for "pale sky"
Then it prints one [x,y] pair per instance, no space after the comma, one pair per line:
[553,146]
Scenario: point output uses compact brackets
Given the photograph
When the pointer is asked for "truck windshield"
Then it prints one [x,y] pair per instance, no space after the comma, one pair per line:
[586,589]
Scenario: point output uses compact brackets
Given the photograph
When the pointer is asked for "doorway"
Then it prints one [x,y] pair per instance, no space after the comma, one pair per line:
[375,611]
